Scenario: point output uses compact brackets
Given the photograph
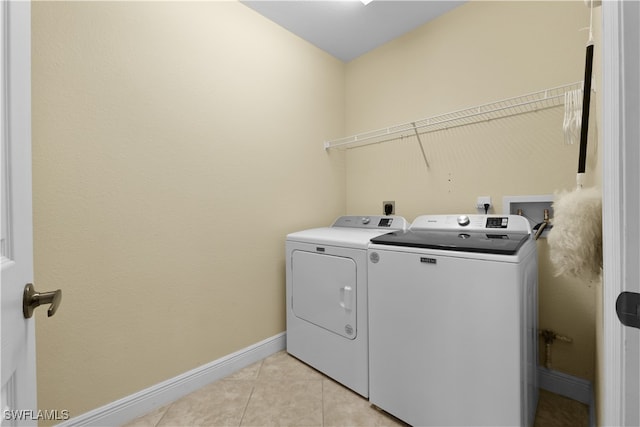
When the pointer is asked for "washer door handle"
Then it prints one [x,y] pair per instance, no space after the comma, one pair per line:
[346,297]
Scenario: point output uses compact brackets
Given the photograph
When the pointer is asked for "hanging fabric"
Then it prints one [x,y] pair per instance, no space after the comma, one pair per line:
[575,241]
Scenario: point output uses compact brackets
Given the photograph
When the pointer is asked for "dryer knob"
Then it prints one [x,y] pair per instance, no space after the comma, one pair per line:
[463,220]
[366,220]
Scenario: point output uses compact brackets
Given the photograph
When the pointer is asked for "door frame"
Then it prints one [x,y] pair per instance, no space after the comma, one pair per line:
[18,334]
[618,398]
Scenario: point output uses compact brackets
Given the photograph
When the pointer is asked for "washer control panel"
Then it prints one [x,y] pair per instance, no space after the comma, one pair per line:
[471,222]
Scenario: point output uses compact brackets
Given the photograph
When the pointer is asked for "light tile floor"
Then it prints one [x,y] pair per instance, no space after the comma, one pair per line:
[282,391]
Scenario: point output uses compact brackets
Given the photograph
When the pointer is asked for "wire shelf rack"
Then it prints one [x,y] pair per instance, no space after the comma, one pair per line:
[547,98]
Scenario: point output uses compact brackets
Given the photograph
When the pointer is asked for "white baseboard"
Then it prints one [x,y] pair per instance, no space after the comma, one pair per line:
[140,403]
[569,386]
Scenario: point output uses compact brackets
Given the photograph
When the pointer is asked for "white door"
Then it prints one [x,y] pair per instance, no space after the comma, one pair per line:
[17,355]
[621,209]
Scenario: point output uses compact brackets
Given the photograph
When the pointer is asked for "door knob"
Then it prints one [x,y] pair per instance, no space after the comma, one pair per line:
[33,299]
[628,309]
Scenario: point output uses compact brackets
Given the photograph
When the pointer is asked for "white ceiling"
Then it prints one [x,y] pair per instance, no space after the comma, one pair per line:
[347,29]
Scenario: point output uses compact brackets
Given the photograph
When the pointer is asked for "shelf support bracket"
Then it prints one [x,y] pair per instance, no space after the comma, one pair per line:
[415,129]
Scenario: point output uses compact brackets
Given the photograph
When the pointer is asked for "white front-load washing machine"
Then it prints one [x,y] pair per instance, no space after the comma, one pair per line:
[326,296]
[453,321]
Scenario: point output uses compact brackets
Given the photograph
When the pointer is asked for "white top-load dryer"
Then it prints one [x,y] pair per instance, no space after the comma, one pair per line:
[326,296]
[453,321]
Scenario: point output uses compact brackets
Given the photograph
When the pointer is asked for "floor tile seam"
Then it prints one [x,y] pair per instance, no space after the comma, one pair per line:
[164,413]
[246,405]
[259,371]
[282,382]
[237,380]
[253,379]
[223,380]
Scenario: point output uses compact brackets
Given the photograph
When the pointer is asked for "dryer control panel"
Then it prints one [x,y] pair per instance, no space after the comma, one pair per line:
[391,222]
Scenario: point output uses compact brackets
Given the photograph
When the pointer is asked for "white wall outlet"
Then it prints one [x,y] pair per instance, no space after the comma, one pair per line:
[482,200]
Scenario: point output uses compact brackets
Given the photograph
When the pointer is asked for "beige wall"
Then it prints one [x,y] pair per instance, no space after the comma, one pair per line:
[174,146]
[478,53]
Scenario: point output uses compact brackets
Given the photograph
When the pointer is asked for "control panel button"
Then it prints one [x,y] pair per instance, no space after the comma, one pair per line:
[463,220]
[366,220]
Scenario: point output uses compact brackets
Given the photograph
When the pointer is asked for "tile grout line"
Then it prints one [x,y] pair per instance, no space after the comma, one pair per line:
[253,387]
[164,413]
[244,411]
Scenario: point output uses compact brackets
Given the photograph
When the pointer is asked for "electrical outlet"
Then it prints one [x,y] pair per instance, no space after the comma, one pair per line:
[483,200]
[389,207]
